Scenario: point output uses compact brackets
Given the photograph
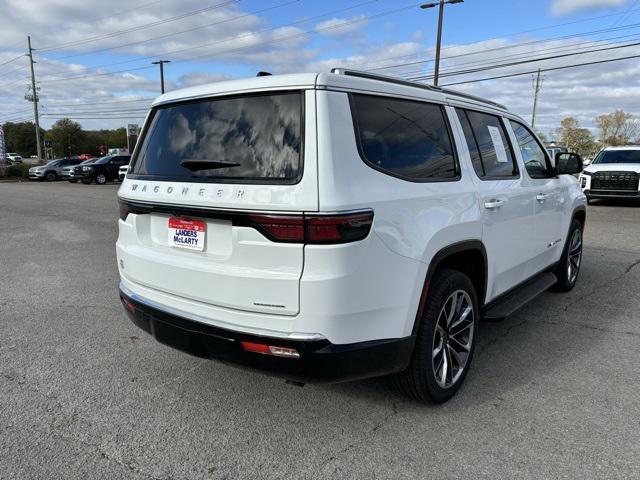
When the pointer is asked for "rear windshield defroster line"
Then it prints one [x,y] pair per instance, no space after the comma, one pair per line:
[259,136]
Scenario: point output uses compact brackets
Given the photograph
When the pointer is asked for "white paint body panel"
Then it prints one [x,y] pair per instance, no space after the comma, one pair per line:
[347,293]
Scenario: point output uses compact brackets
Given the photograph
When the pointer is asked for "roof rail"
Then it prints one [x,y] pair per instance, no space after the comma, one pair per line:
[408,83]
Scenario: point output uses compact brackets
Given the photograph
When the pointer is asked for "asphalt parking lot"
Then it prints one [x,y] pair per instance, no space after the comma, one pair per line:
[554,391]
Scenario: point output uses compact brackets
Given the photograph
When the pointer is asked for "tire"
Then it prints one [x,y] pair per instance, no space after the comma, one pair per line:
[101,179]
[426,379]
[50,176]
[571,260]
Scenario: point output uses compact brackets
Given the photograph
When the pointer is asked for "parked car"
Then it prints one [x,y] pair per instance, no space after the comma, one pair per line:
[75,171]
[553,151]
[104,169]
[614,173]
[13,158]
[341,226]
[52,170]
[122,172]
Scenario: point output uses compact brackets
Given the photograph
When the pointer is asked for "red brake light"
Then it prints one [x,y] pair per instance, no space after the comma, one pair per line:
[338,228]
[280,228]
[314,229]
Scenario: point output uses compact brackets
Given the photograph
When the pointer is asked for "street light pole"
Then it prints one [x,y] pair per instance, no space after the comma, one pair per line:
[440,4]
[161,63]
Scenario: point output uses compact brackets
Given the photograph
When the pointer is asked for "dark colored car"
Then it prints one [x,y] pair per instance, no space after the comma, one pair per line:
[103,170]
[76,172]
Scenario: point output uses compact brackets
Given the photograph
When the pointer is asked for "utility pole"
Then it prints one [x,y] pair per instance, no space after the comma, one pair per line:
[441,4]
[538,86]
[34,98]
[161,63]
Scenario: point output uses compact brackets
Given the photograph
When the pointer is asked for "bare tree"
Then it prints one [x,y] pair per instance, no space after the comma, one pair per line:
[618,128]
[575,138]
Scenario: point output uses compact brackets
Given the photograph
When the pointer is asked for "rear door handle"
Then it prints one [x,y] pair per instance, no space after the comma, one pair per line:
[541,197]
[493,204]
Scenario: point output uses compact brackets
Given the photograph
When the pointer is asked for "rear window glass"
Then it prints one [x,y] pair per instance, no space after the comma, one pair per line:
[405,138]
[243,138]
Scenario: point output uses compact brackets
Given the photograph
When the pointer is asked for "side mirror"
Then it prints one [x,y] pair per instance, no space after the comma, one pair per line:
[568,163]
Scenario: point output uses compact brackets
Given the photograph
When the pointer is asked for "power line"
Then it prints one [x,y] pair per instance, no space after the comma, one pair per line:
[550,69]
[563,48]
[507,47]
[75,43]
[12,60]
[129,44]
[503,36]
[83,104]
[96,74]
[539,59]
[276,40]
[230,38]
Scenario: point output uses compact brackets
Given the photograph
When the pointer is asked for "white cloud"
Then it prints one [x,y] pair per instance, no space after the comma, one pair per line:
[337,27]
[567,7]
[249,43]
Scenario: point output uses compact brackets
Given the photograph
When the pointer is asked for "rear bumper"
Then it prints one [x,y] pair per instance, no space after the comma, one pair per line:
[320,361]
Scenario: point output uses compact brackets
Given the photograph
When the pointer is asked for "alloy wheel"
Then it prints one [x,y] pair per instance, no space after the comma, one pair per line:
[452,339]
[574,258]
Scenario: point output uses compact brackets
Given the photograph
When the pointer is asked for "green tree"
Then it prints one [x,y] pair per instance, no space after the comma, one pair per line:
[576,139]
[66,136]
[21,138]
[618,128]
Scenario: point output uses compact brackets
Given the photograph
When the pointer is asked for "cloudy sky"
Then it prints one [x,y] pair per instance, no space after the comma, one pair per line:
[94,57]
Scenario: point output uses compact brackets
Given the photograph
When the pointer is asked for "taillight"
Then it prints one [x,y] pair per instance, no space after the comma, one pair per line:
[314,229]
[343,228]
[279,228]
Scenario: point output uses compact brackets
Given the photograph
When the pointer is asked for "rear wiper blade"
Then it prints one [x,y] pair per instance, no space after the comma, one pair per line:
[196,164]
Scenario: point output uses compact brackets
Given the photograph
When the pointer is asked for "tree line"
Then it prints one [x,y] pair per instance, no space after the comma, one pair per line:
[66,136]
[614,129]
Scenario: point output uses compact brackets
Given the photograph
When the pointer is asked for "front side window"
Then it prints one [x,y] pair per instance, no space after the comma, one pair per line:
[489,148]
[249,138]
[404,138]
[535,160]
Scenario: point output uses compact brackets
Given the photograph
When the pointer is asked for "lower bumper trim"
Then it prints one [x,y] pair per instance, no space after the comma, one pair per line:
[320,361]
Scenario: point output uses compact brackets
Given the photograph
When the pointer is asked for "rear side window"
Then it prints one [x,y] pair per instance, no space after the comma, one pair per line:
[404,138]
[489,147]
[250,138]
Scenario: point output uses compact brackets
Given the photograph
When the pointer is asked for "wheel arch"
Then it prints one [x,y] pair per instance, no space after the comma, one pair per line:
[468,257]
[580,214]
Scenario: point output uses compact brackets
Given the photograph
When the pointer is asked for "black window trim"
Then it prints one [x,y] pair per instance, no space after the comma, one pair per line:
[454,153]
[547,159]
[244,181]
[514,159]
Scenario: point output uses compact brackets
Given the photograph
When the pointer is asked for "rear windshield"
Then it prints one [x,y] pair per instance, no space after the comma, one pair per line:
[618,156]
[254,138]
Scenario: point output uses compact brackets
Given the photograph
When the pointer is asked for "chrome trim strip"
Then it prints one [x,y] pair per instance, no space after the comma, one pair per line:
[197,318]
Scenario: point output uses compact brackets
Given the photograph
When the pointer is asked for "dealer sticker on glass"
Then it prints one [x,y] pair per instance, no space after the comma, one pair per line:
[187,233]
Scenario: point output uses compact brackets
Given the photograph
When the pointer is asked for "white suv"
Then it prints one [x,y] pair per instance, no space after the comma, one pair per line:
[336,226]
[614,173]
